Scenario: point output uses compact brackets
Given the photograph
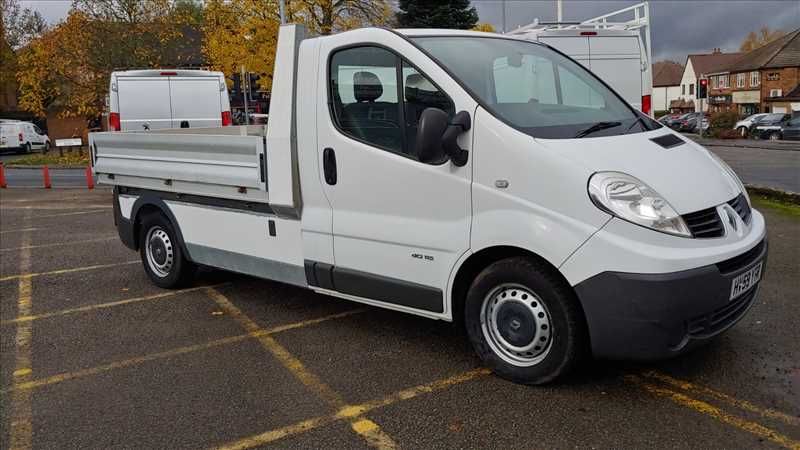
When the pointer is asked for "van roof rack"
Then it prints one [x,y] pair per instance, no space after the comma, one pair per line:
[612,21]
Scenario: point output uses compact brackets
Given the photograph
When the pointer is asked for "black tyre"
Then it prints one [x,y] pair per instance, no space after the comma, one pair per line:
[162,257]
[46,147]
[524,321]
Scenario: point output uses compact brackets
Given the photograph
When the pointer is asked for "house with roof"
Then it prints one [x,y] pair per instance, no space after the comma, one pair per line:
[697,67]
[763,80]
[666,84]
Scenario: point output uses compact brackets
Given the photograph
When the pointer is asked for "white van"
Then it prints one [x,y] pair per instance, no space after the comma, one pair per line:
[617,52]
[156,99]
[22,137]
[454,175]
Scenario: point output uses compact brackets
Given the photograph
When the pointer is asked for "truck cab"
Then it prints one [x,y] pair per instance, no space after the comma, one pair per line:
[460,176]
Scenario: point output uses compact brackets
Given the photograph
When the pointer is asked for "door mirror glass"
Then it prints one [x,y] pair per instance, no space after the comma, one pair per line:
[432,125]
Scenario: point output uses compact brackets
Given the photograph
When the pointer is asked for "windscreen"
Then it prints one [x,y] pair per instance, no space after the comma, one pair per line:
[533,88]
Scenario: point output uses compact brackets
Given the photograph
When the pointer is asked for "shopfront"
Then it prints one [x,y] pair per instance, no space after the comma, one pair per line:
[747,102]
[719,103]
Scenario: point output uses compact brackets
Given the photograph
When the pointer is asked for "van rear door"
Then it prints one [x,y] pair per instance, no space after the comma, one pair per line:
[577,47]
[195,100]
[141,103]
[617,60]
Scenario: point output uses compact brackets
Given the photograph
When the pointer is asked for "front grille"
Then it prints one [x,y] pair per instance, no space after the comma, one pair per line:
[718,320]
[742,208]
[705,223]
[739,262]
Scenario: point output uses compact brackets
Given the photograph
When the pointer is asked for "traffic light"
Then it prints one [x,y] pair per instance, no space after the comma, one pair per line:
[253,84]
[702,88]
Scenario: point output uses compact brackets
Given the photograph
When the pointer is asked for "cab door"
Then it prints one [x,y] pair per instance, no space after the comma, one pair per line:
[399,225]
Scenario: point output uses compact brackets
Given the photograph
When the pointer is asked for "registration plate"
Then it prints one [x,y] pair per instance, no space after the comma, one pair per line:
[746,280]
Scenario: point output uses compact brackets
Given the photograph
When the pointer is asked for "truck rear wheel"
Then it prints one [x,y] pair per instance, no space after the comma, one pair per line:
[524,321]
[162,257]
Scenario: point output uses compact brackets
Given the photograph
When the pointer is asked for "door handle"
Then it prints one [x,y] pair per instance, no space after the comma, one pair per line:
[329,165]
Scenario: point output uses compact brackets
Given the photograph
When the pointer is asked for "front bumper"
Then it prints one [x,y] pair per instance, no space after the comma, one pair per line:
[656,316]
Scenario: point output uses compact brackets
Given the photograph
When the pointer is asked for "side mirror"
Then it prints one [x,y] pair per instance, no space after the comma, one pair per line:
[432,125]
[437,136]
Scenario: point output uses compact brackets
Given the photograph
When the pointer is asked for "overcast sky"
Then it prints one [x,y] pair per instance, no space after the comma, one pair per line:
[680,27]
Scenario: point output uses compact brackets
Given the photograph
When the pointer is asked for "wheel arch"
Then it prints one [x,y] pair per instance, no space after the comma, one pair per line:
[478,261]
[148,203]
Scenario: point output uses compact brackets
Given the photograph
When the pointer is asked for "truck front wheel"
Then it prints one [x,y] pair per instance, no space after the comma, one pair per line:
[162,256]
[524,321]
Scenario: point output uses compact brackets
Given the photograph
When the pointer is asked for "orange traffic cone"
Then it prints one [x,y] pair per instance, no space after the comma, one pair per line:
[89,177]
[46,175]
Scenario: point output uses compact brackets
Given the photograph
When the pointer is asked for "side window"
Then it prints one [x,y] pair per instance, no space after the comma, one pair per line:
[419,93]
[370,104]
[364,88]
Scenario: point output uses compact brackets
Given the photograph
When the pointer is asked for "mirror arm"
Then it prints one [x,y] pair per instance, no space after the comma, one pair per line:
[461,123]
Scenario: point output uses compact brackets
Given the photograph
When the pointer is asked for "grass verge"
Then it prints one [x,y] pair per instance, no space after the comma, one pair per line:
[53,160]
[782,205]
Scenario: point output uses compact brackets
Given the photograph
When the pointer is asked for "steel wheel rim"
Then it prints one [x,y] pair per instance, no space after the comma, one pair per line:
[160,251]
[512,305]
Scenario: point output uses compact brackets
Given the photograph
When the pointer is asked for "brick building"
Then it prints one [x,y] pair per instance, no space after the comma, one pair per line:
[760,80]
[699,66]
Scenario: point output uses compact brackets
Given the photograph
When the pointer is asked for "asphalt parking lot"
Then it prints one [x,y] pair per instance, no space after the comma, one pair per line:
[95,356]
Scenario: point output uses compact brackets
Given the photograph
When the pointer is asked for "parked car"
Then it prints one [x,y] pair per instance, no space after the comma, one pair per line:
[675,122]
[790,130]
[22,137]
[666,118]
[155,99]
[744,126]
[769,126]
[689,122]
[448,174]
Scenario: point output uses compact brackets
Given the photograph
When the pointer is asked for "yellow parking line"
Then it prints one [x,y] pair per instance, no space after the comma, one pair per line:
[21,230]
[352,411]
[742,404]
[60,244]
[62,271]
[64,312]
[76,213]
[717,413]
[21,411]
[368,430]
[33,384]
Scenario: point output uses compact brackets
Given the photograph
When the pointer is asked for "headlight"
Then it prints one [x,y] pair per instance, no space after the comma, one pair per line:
[630,199]
[733,175]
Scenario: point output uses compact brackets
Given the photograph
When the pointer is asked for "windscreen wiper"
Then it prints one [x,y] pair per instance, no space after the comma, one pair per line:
[597,127]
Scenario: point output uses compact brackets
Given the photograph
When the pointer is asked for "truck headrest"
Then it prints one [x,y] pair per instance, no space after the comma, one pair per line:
[367,86]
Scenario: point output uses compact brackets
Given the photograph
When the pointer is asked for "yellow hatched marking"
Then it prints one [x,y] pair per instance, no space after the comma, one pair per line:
[61,244]
[62,271]
[717,413]
[80,309]
[353,411]
[33,384]
[21,411]
[742,404]
[372,435]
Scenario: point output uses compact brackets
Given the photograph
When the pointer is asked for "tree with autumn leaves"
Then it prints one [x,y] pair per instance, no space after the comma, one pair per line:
[66,69]
[240,33]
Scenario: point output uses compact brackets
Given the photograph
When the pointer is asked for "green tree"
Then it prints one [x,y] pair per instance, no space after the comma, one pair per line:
[457,14]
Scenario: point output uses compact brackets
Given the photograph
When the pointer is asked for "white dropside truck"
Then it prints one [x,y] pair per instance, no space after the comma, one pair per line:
[454,175]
